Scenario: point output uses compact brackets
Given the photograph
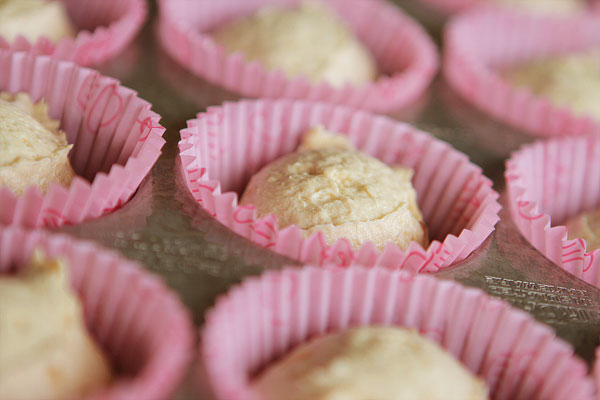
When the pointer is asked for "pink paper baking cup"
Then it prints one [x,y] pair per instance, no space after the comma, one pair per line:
[265,317]
[548,182]
[139,323]
[105,27]
[478,42]
[116,137]
[225,146]
[403,51]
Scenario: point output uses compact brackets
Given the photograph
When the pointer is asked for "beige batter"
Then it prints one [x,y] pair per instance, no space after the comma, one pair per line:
[586,226]
[369,363]
[571,80]
[33,151]
[309,40]
[546,6]
[33,19]
[329,187]
[45,349]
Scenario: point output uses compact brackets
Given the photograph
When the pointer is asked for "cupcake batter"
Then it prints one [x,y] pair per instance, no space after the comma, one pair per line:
[369,363]
[329,187]
[571,80]
[34,19]
[587,227]
[45,349]
[310,41]
[33,151]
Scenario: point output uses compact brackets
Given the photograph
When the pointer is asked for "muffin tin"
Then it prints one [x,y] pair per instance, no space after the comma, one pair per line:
[163,226]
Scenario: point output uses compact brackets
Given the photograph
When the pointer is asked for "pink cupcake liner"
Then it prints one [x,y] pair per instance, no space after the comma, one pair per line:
[263,318]
[106,27]
[140,325]
[480,41]
[116,137]
[225,146]
[401,47]
[549,182]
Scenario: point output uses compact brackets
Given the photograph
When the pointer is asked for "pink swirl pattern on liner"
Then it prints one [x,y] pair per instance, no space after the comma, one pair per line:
[53,219]
[519,358]
[149,342]
[106,95]
[264,231]
[401,47]
[111,154]
[531,175]
[148,124]
[440,175]
[523,214]
[106,28]
[241,214]
[480,41]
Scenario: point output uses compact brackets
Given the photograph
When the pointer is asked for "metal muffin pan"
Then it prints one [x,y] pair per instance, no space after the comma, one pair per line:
[165,229]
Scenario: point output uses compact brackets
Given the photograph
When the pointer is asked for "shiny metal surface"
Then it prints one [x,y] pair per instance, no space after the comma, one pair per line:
[166,230]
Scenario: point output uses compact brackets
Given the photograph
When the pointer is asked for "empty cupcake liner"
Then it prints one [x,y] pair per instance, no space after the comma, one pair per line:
[478,42]
[116,137]
[548,182]
[106,27]
[139,323]
[263,318]
[403,51]
[225,146]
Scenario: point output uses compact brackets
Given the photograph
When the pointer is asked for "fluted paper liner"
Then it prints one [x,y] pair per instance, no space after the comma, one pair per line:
[406,56]
[549,182]
[477,43]
[265,317]
[116,137]
[225,146]
[140,324]
[105,28]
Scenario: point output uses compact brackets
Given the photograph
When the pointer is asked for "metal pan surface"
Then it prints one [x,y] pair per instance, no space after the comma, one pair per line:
[164,228]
